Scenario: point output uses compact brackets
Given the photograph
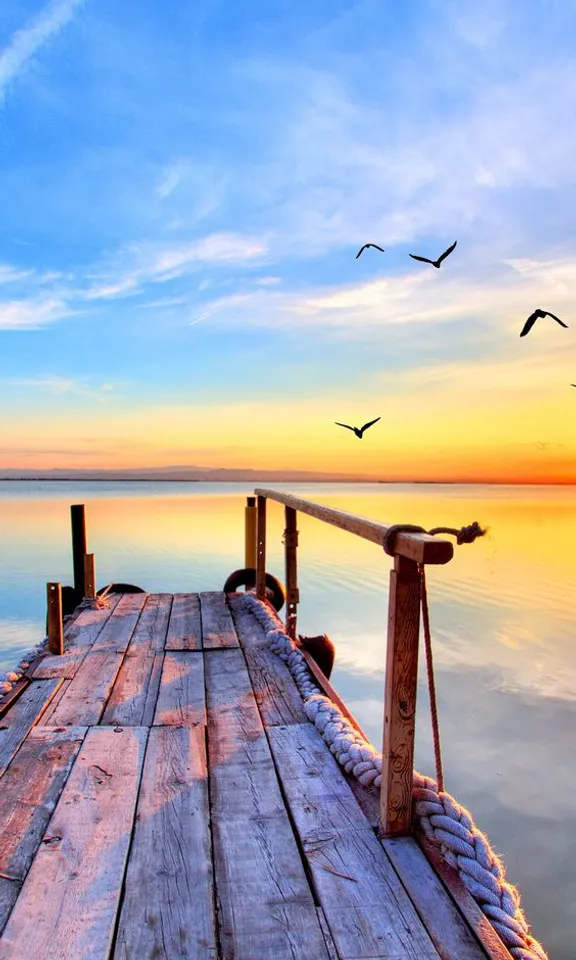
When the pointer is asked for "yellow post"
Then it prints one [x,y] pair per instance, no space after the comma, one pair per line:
[261,553]
[251,543]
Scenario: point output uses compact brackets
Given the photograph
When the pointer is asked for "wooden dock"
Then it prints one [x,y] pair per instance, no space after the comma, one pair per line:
[164,796]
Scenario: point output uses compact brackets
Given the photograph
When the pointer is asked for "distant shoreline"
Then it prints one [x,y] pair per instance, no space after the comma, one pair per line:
[255,480]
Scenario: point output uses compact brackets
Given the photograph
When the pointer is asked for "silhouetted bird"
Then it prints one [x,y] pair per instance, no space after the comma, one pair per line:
[357,431]
[436,263]
[365,247]
[538,314]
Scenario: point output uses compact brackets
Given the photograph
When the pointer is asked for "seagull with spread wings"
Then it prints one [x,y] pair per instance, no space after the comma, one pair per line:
[436,263]
[537,315]
[357,431]
[365,247]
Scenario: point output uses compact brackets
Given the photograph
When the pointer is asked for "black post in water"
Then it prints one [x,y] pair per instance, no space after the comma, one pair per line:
[78,545]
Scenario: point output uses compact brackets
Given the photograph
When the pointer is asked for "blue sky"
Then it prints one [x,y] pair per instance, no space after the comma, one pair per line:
[184,188]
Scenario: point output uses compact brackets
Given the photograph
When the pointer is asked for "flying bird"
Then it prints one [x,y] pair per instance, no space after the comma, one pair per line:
[536,316]
[365,247]
[436,263]
[357,431]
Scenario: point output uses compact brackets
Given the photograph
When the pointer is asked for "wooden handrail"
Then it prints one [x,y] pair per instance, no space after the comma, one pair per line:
[420,547]
[410,550]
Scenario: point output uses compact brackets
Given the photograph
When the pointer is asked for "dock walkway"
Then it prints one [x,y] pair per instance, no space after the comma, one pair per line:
[162,795]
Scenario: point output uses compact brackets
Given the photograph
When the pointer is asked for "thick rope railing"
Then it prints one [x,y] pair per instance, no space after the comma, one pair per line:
[444,821]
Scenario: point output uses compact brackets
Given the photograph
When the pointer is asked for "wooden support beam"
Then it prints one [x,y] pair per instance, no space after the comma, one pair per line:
[261,551]
[89,576]
[400,699]
[251,544]
[55,624]
[291,568]
[78,520]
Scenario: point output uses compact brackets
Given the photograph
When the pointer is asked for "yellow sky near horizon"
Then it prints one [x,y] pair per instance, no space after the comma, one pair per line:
[505,421]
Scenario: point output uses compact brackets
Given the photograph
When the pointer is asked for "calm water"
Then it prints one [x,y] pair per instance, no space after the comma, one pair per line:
[502,613]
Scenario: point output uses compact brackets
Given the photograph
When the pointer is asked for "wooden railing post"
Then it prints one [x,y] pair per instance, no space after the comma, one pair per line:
[291,571]
[55,625]
[400,699]
[261,551]
[250,527]
[89,576]
[78,520]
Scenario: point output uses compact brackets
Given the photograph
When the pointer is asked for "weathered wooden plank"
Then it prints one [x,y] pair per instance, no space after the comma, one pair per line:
[277,696]
[330,945]
[133,697]
[217,624]
[23,715]
[46,720]
[452,937]
[119,629]
[30,789]
[266,907]
[471,912]
[79,635]
[9,698]
[181,699]
[367,908]
[69,901]
[168,907]
[9,890]
[87,695]
[185,627]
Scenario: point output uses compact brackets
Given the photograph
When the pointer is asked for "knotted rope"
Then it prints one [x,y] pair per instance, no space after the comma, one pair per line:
[447,824]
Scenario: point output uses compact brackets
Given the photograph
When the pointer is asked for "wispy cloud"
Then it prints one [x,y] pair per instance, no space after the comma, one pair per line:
[32,314]
[148,262]
[63,385]
[29,40]
[170,178]
[10,274]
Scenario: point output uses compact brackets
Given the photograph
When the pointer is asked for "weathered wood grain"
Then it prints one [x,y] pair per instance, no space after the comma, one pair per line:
[451,936]
[181,698]
[420,547]
[277,696]
[9,890]
[30,789]
[69,901]
[9,698]
[168,907]
[400,698]
[79,635]
[217,624]
[266,908]
[330,945]
[27,710]
[470,910]
[185,627]
[367,908]
[88,692]
[133,698]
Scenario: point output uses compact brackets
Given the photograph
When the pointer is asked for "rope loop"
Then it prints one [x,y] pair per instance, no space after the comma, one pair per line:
[463,535]
[394,530]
